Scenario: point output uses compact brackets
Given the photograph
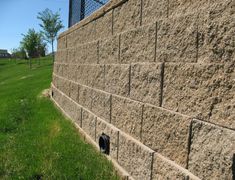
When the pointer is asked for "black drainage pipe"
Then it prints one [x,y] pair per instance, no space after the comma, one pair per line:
[104,143]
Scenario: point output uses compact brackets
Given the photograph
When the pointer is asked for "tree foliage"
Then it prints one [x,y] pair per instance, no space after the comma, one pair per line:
[51,25]
[19,53]
[33,44]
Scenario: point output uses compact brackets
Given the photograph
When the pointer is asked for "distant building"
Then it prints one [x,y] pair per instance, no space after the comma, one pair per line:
[4,54]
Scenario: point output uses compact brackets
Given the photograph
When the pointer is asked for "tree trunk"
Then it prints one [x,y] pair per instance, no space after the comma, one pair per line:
[52,48]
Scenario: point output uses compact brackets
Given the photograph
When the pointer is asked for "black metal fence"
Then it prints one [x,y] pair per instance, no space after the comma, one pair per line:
[79,9]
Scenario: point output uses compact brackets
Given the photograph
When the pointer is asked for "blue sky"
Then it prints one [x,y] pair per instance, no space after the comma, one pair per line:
[17,16]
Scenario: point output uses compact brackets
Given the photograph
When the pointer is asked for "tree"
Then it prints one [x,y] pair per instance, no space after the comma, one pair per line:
[51,25]
[18,53]
[33,44]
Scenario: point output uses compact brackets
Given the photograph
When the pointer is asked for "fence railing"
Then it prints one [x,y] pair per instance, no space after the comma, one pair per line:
[79,9]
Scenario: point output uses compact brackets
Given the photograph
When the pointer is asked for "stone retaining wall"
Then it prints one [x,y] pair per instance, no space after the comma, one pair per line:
[157,76]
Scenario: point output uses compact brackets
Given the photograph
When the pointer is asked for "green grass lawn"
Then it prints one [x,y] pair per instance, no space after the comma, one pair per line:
[36,141]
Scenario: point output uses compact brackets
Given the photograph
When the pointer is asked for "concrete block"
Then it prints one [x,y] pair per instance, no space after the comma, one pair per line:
[177,39]
[62,43]
[104,26]
[154,10]
[59,84]
[72,72]
[203,91]
[71,55]
[87,33]
[85,97]
[73,110]
[112,132]
[185,7]
[65,84]
[89,123]
[74,91]
[71,37]
[87,53]
[138,45]
[101,104]
[146,83]
[61,56]
[96,77]
[56,95]
[65,71]
[127,115]
[91,75]
[134,157]
[216,34]
[212,151]
[167,133]
[117,79]
[57,69]
[109,50]
[164,169]
[126,16]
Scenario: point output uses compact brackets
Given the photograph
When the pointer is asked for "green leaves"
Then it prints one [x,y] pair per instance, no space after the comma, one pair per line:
[51,25]
[33,44]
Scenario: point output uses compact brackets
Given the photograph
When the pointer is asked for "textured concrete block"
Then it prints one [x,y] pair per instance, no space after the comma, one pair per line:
[177,40]
[166,133]
[89,123]
[87,33]
[71,37]
[74,91]
[62,43]
[216,34]
[54,80]
[101,104]
[135,157]
[126,16]
[164,169]
[212,151]
[56,95]
[203,91]
[60,83]
[104,26]
[65,71]
[91,75]
[85,97]
[96,76]
[72,72]
[81,74]
[185,7]
[72,109]
[117,79]
[146,83]
[138,45]
[64,86]
[109,50]
[71,55]
[87,53]
[58,70]
[112,132]
[154,10]
[127,115]
[61,56]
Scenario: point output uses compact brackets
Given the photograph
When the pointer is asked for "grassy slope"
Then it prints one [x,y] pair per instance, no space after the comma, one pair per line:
[35,139]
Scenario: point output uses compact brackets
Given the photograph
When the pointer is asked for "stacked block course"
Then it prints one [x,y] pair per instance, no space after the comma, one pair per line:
[157,76]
